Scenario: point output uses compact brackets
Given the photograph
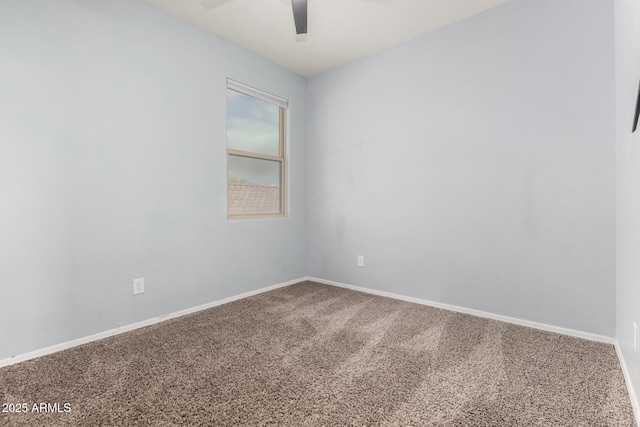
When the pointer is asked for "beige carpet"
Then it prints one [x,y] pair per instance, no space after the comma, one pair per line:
[311,354]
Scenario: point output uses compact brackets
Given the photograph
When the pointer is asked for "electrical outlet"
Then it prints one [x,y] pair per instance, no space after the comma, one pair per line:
[360,261]
[138,286]
[635,337]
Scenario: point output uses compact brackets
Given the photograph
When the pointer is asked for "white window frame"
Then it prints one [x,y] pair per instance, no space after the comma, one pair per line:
[283,105]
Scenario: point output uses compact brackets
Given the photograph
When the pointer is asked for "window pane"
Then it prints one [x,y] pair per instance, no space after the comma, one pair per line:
[252,124]
[253,186]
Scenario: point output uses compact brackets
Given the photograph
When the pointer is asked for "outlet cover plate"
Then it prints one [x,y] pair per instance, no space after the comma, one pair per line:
[138,286]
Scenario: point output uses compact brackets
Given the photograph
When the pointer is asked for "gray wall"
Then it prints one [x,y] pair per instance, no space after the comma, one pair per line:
[474,166]
[112,166]
[627,17]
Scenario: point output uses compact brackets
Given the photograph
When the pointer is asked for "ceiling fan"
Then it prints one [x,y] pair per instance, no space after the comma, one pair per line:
[299,8]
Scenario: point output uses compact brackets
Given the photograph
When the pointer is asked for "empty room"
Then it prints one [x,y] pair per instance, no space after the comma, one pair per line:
[322,212]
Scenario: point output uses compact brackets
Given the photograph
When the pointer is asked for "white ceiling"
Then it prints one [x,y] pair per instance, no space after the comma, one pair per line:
[339,31]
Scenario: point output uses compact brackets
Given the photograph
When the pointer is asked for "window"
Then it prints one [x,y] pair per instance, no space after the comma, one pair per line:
[255,153]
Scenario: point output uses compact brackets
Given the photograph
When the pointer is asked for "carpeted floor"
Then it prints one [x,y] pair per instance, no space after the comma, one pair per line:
[311,354]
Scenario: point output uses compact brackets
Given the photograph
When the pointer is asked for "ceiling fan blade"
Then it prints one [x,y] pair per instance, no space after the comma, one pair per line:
[210,4]
[300,15]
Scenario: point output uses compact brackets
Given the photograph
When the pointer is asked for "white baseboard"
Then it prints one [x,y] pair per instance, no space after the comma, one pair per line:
[542,326]
[627,380]
[79,341]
